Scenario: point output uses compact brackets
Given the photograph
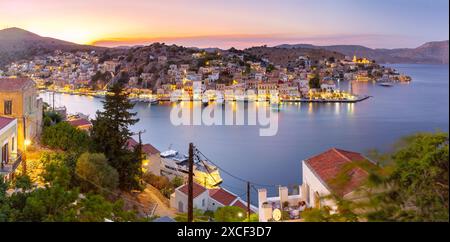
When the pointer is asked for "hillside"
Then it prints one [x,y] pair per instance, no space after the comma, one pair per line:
[430,53]
[17,44]
[288,56]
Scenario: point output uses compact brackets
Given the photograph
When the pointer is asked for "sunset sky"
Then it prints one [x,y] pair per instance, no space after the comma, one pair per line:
[239,23]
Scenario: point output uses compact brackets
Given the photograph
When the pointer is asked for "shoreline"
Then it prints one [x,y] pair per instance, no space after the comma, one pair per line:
[302,100]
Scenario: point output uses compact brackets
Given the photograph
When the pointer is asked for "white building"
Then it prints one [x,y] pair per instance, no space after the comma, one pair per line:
[328,86]
[320,170]
[214,76]
[284,201]
[206,199]
[9,156]
[318,173]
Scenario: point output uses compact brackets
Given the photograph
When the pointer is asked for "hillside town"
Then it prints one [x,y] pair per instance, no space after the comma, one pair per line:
[171,73]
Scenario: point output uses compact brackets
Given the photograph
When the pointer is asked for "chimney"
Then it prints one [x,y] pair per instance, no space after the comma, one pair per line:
[262,196]
[262,199]
[283,193]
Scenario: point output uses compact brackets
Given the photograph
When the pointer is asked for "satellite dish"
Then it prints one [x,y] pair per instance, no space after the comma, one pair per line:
[276,214]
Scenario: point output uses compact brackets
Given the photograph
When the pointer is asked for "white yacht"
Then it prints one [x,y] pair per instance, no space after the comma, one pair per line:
[229,95]
[205,100]
[175,96]
[251,95]
[174,164]
[219,97]
[239,95]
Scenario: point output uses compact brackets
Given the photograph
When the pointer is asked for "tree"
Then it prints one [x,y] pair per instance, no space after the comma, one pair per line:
[416,187]
[95,174]
[65,137]
[57,201]
[52,203]
[199,216]
[23,182]
[270,68]
[95,208]
[314,82]
[110,134]
[229,214]
[51,117]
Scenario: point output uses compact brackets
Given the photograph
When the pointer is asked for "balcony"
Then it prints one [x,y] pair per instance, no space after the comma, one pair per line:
[13,162]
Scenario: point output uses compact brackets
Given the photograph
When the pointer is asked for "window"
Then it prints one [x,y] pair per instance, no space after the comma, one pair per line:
[7,110]
[29,104]
[203,202]
[12,144]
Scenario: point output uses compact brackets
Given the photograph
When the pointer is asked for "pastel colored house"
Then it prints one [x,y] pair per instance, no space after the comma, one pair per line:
[206,199]
[19,100]
[10,157]
[151,160]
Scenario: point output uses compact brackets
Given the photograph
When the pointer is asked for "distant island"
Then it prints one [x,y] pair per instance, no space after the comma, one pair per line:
[435,52]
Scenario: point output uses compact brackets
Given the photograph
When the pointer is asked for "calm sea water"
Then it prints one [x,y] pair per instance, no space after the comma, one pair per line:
[303,129]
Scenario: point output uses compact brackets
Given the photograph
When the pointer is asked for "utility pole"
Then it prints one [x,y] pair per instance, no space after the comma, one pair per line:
[248,201]
[191,183]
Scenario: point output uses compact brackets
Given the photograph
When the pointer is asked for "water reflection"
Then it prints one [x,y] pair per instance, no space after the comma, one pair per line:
[305,129]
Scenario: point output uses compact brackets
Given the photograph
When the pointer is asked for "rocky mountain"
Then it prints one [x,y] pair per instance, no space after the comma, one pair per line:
[432,52]
[17,44]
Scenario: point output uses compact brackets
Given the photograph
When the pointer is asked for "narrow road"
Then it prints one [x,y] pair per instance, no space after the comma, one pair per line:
[152,195]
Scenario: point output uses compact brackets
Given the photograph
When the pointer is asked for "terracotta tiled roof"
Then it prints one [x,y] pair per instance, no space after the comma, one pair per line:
[146,148]
[329,164]
[4,121]
[14,84]
[79,122]
[131,143]
[222,196]
[198,189]
[150,149]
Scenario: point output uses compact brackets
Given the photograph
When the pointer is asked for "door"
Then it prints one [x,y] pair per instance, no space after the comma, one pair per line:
[5,153]
[180,207]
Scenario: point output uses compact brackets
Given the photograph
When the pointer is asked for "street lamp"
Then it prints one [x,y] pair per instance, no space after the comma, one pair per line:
[27,142]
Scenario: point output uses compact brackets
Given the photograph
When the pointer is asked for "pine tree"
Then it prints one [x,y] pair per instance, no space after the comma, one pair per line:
[110,133]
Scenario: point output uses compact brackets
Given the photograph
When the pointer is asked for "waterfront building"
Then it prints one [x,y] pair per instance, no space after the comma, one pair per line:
[19,99]
[10,157]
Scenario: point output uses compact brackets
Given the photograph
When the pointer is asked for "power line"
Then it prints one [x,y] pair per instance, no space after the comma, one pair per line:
[234,176]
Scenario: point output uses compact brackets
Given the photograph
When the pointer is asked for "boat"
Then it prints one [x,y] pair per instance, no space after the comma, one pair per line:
[274,100]
[153,101]
[174,164]
[134,99]
[219,98]
[386,84]
[239,95]
[205,101]
[251,95]
[229,95]
[175,96]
